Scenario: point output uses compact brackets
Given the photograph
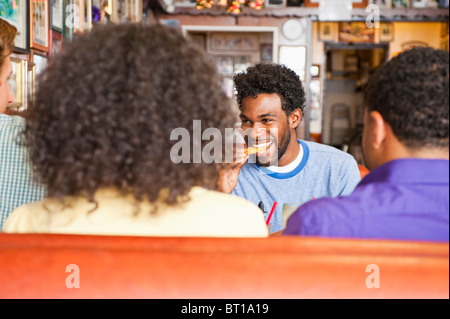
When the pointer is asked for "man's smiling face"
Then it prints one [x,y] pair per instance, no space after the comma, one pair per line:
[266,127]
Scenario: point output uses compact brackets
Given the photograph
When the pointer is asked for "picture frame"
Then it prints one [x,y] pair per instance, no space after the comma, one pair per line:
[311,3]
[422,4]
[55,42]
[68,25]
[266,52]
[356,32]
[386,32]
[241,63]
[225,64]
[78,16]
[382,4]
[40,60]
[57,9]
[123,11]
[401,3]
[185,3]
[294,3]
[275,3]
[39,25]
[315,71]
[293,57]
[327,31]
[31,82]
[17,14]
[18,83]
[360,3]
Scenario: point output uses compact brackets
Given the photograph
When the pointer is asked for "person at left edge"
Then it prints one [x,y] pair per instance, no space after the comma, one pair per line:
[17,185]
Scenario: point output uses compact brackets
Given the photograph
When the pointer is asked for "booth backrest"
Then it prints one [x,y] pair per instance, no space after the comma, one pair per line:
[85,266]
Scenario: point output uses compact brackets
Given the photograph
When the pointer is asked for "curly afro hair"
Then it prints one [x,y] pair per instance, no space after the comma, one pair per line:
[411,93]
[105,108]
[271,78]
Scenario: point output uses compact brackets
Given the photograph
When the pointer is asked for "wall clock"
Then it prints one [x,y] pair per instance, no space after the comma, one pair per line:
[292,29]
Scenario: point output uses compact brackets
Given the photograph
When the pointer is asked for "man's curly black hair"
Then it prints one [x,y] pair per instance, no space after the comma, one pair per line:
[411,93]
[105,108]
[271,78]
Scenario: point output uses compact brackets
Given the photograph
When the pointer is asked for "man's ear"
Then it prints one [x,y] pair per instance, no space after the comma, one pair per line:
[378,129]
[295,118]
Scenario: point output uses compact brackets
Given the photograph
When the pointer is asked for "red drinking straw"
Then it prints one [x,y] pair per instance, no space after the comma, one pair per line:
[271,212]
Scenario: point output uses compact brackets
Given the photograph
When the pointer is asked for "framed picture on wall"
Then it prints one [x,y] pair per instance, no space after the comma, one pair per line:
[39,25]
[40,60]
[185,3]
[294,3]
[326,31]
[315,71]
[382,4]
[241,63]
[424,4]
[386,32]
[126,11]
[56,42]
[266,52]
[31,81]
[360,3]
[225,64]
[356,32]
[401,3]
[275,3]
[56,14]
[16,82]
[78,15]
[311,3]
[17,14]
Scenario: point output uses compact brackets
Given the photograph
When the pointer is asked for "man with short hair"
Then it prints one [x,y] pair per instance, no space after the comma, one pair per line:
[406,145]
[16,183]
[282,168]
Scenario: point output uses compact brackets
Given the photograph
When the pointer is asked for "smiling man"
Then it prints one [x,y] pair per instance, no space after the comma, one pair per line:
[282,168]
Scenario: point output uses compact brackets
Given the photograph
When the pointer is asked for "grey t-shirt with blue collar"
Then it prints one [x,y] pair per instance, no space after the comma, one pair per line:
[319,171]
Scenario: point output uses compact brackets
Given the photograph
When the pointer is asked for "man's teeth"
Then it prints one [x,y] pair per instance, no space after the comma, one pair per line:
[262,145]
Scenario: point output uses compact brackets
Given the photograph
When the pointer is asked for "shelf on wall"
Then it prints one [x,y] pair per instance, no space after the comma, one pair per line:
[396,14]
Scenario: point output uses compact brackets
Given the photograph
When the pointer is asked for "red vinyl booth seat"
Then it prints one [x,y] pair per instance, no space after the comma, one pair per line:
[38,266]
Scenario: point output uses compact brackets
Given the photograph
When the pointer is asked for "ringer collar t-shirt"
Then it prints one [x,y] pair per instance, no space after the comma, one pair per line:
[318,171]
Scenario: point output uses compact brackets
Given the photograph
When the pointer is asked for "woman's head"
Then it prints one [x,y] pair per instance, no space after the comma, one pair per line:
[105,108]
[7,35]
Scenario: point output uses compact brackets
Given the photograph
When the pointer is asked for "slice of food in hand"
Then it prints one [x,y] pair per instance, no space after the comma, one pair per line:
[253,150]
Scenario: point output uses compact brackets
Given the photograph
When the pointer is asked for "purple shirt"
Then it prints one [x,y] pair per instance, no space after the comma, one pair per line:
[405,199]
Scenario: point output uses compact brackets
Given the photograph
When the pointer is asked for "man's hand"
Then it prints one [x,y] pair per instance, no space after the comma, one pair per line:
[229,174]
